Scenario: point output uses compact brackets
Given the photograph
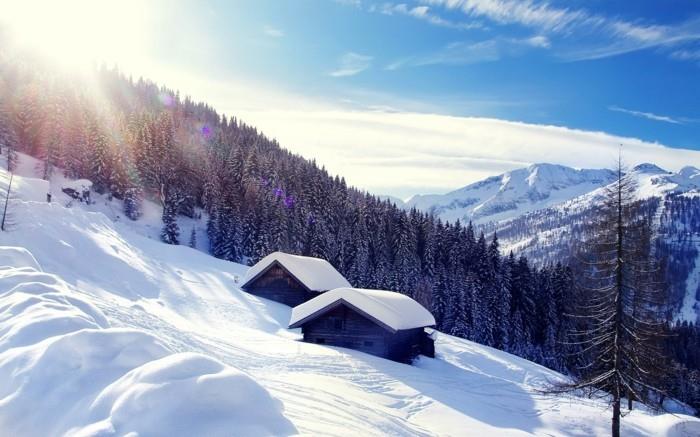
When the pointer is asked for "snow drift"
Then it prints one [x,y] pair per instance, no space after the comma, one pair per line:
[184,395]
[59,357]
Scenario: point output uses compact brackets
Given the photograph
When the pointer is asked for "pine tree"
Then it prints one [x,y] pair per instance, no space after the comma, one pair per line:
[171,231]
[132,203]
[8,138]
[193,239]
[28,120]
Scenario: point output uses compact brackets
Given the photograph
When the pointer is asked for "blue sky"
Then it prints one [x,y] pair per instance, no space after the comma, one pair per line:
[412,96]
[625,67]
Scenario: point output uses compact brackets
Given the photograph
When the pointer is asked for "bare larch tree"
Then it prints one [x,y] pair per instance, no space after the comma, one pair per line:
[621,315]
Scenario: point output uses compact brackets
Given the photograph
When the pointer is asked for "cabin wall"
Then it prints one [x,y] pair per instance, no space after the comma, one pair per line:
[278,285]
[409,343]
[345,327]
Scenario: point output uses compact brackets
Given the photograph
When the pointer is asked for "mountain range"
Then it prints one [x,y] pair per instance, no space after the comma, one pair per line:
[539,186]
[538,211]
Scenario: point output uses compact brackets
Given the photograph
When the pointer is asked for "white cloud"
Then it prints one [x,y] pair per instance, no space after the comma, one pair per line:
[686,55]
[538,41]
[466,52]
[525,12]
[351,64]
[592,36]
[408,153]
[647,115]
[423,13]
[273,31]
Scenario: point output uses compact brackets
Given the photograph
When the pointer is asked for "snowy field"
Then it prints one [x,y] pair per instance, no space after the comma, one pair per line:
[106,331]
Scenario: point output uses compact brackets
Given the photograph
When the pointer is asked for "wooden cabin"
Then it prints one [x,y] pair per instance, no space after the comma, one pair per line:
[383,323]
[291,279]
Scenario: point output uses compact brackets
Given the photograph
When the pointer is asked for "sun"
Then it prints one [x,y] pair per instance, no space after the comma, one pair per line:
[78,33]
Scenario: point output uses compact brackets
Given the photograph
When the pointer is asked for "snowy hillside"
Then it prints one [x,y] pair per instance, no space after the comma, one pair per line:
[105,331]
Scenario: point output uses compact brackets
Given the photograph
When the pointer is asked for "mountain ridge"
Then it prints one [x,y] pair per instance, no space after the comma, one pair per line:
[538,186]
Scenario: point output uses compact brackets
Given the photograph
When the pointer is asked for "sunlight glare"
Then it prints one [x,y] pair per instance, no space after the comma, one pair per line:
[77,33]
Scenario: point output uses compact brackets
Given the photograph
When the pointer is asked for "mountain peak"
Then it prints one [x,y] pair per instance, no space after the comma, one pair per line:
[649,168]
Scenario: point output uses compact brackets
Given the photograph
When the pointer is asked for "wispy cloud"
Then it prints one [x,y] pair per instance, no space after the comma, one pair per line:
[465,53]
[647,115]
[591,36]
[273,31]
[423,12]
[351,64]
[524,12]
[437,153]
[686,55]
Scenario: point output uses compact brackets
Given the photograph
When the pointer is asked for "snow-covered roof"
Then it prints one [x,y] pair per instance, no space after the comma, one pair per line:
[395,310]
[77,184]
[315,273]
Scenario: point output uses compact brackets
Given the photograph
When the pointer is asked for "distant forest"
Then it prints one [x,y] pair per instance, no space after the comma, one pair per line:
[136,140]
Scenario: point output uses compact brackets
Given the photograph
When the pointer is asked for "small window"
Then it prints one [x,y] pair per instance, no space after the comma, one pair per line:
[369,343]
[338,324]
[320,341]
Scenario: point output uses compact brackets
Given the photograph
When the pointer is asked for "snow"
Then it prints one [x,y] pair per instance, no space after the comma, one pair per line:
[77,185]
[26,188]
[106,331]
[513,193]
[315,273]
[395,310]
[540,186]
[217,400]
[17,257]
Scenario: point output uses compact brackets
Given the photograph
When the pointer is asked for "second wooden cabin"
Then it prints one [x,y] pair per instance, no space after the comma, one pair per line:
[291,279]
[383,323]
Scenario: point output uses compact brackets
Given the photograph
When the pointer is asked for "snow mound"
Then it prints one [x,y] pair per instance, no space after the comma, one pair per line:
[28,188]
[187,394]
[315,273]
[27,318]
[59,356]
[61,375]
[17,257]
[36,305]
[395,310]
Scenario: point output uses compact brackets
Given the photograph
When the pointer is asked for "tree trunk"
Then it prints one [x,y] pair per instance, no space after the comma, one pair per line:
[630,399]
[617,391]
[616,416]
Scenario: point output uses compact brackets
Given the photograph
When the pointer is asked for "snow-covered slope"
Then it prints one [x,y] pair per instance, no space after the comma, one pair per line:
[104,331]
[512,193]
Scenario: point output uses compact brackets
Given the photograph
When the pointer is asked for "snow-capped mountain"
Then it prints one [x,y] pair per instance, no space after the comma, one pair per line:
[539,186]
[513,193]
